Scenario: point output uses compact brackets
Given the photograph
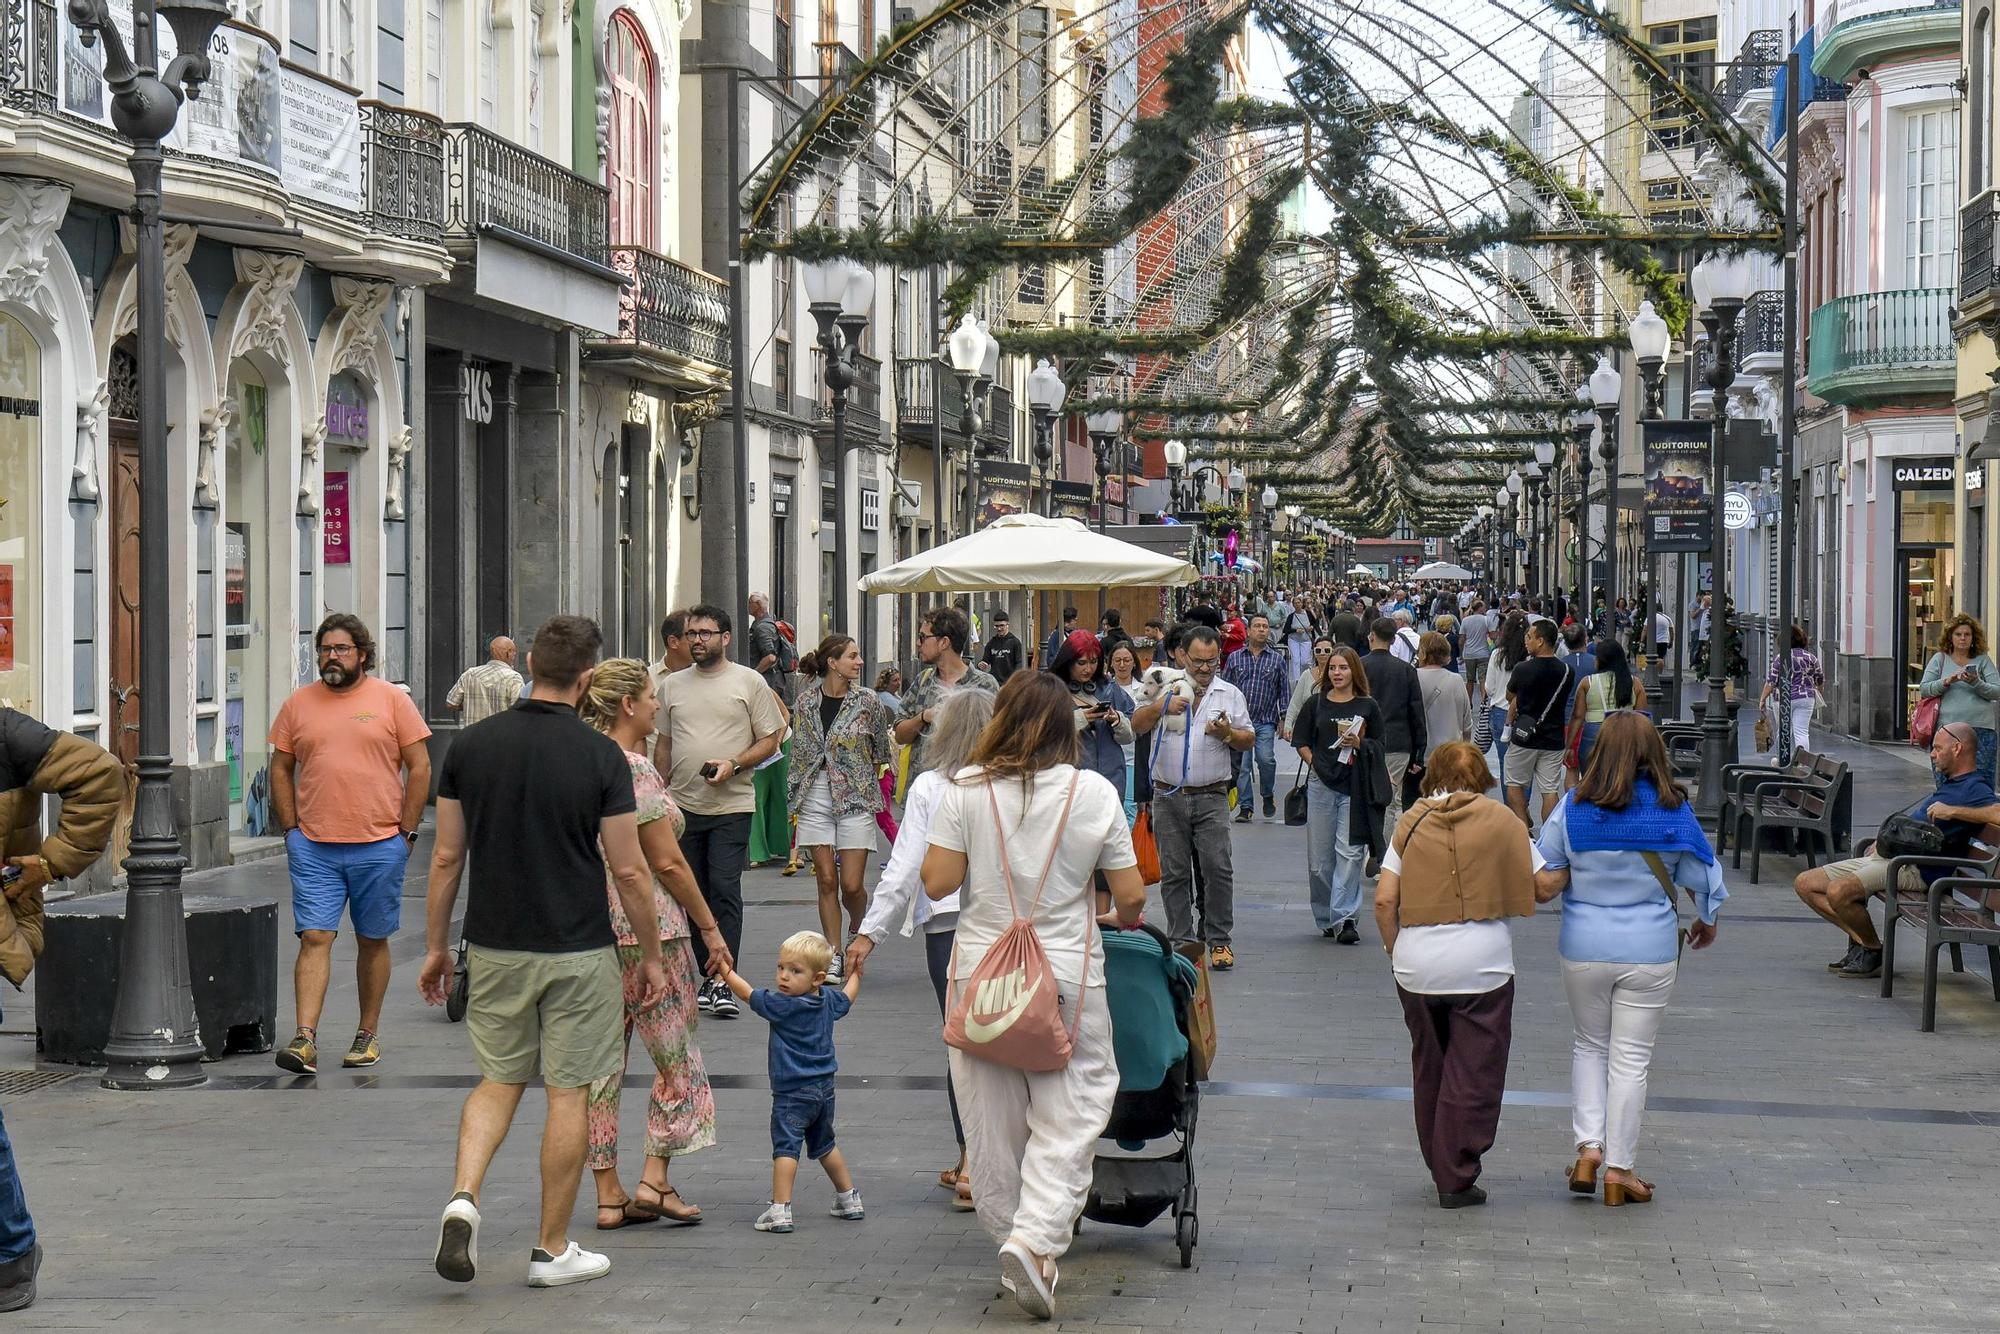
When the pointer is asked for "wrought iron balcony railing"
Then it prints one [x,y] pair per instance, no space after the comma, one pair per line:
[1761,327]
[669,306]
[1882,345]
[921,384]
[28,54]
[402,159]
[498,186]
[864,400]
[1978,275]
[1755,67]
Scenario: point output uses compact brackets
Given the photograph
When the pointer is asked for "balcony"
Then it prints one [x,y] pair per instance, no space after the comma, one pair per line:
[1853,35]
[673,324]
[402,161]
[28,54]
[1760,334]
[1882,346]
[524,228]
[1978,276]
[921,381]
[1754,69]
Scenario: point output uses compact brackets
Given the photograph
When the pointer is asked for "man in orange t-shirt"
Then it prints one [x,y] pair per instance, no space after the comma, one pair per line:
[349,777]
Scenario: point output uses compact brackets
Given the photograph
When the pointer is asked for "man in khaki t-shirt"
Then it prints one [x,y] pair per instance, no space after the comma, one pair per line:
[720,721]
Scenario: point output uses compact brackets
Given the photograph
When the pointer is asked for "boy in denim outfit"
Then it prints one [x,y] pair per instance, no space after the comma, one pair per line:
[802,1012]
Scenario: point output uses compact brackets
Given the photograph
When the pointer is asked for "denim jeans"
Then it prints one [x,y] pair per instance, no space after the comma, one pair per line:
[1497,720]
[1333,863]
[17,1230]
[1266,761]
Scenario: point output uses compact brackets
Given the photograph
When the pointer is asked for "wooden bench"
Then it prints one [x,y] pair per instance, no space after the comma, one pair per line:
[1956,911]
[1806,806]
[1738,780]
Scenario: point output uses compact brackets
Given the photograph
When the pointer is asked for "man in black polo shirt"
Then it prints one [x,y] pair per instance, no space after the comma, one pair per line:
[533,791]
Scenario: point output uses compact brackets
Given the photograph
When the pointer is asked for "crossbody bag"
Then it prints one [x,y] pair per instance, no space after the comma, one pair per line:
[1659,866]
[1524,733]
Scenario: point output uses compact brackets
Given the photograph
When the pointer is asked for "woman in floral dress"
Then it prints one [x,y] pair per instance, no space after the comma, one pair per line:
[680,1115]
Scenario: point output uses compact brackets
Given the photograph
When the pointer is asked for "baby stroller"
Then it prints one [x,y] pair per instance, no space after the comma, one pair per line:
[1150,989]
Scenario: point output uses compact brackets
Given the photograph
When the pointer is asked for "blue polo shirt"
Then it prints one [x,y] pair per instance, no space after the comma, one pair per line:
[1975,790]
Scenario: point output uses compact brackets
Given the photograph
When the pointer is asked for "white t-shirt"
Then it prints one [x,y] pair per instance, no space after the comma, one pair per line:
[1096,839]
[1663,628]
[1452,958]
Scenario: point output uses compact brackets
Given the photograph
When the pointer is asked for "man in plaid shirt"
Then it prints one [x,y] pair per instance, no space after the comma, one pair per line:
[1263,674]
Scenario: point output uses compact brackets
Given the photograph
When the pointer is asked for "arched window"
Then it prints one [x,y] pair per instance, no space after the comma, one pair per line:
[634,142]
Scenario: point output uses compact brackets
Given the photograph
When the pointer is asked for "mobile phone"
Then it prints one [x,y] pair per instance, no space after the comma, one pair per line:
[10,875]
[710,769]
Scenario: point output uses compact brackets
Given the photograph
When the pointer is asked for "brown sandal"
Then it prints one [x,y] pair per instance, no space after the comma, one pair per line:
[949,1178]
[687,1215]
[626,1218]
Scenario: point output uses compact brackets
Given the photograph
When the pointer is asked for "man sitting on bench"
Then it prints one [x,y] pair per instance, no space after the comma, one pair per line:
[1963,803]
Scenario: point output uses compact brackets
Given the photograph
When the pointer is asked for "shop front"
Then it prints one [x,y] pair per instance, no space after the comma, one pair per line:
[1926,566]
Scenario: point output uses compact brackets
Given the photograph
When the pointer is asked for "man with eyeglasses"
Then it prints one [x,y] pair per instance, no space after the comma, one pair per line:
[941,645]
[1192,770]
[349,777]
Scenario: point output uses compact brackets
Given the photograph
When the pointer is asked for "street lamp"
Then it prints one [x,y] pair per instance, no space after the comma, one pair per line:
[1723,283]
[1046,392]
[1174,452]
[974,354]
[839,293]
[1605,387]
[1538,494]
[1104,425]
[154,1038]
[1651,341]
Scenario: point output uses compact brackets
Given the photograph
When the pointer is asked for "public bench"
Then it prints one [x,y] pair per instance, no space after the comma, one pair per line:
[1952,913]
[1807,809]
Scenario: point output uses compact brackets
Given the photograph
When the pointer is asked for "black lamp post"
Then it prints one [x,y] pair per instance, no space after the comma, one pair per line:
[1651,340]
[1046,392]
[1538,507]
[974,354]
[839,293]
[155,1039]
[1104,426]
[1720,284]
[1606,387]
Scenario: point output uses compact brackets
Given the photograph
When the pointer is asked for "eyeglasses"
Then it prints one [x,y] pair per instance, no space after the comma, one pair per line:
[703,634]
[928,635]
[1203,664]
[338,651]
[1322,653]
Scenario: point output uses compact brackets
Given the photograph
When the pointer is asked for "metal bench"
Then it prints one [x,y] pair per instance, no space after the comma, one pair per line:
[1739,780]
[1806,806]
[1955,911]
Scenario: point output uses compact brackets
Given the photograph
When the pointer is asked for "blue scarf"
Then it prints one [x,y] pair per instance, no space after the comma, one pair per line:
[1643,826]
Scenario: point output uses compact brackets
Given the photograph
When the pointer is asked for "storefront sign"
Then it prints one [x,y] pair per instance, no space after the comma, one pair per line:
[1736,511]
[475,390]
[333,523]
[347,411]
[236,582]
[1918,476]
[1677,495]
[253,111]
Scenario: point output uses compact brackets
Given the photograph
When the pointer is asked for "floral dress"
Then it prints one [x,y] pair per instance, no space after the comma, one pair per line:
[680,1114]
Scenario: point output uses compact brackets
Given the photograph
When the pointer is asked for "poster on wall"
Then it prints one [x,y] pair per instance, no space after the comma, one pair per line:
[1677,495]
[236,583]
[334,516]
[6,618]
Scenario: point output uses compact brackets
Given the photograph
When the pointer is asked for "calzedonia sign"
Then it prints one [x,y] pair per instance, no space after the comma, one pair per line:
[1918,474]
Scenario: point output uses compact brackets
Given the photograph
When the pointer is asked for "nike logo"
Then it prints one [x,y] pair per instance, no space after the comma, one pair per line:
[977,1030]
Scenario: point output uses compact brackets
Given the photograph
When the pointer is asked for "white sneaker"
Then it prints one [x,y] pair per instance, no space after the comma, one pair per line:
[835,967]
[775,1218]
[705,998]
[457,1256]
[847,1204]
[1021,1275]
[575,1265]
[723,1005]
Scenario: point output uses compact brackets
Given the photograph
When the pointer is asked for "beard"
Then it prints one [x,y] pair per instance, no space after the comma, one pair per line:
[336,675]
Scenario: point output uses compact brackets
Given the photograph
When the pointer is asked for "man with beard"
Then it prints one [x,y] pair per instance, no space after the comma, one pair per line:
[349,777]
[1002,656]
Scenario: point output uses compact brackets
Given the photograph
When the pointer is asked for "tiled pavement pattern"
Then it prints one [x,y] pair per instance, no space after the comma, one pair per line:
[268,1203]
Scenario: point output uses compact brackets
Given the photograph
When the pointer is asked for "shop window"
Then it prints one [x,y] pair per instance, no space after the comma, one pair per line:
[21,552]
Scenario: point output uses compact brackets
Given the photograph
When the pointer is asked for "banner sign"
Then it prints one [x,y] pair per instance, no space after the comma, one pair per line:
[1678,502]
[333,519]
[254,111]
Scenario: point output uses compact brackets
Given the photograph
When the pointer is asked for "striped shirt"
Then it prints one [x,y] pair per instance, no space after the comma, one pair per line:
[491,687]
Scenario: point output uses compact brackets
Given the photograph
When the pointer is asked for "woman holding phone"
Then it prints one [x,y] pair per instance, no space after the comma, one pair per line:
[1348,792]
[1962,678]
[1103,709]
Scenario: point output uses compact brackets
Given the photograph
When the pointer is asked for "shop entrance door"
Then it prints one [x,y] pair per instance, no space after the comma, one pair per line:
[125,591]
[1926,579]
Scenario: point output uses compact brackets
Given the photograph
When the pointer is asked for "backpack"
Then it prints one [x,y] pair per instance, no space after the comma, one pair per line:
[1009,1012]
[788,656]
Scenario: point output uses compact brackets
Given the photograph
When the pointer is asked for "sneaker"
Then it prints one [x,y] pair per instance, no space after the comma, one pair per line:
[705,998]
[301,1054]
[1329,932]
[367,1050]
[847,1204]
[1221,958]
[1270,808]
[836,968]
[575,1265]
[1243,811]
[1348,935]
[1865,963]
[1021,1275]
[1845,959]
[723,1006]
[17,1280]
[457,1256]
[775,1218]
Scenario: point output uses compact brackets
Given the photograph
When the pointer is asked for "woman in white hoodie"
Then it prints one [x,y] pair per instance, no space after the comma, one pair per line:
[899,901]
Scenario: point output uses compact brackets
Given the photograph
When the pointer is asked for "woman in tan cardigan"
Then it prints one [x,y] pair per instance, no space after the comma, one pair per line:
[1458,866]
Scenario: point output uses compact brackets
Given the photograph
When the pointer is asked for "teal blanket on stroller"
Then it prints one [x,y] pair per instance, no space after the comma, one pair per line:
[1142,981]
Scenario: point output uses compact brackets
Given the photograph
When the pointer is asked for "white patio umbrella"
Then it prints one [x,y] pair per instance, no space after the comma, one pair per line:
[1360,569]
[1443,569]
[1026,552]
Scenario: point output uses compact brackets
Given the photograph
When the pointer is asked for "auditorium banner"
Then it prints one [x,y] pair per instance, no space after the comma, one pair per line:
[1679,508]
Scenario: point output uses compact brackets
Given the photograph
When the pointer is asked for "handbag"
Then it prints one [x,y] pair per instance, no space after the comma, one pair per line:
[1924,722]
[1523,734]
[1146,847]
[1009,1012]
[1903,835]
[1295,800]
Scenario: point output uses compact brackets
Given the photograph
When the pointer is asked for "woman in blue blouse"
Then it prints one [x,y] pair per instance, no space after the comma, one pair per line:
[1610,849]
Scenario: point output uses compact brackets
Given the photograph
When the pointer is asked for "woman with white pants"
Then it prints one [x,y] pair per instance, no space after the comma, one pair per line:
[1617,850]
[1030,1138]
[1807,683]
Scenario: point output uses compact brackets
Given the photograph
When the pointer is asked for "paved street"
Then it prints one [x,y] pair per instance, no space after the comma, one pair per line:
[1821,1164]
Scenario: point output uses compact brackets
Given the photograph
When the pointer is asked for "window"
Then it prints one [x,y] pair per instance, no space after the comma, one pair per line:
[781,38]
[781,374]
[433,54]
[389,74]
[489,66]
[537,113]
[303,33]
[1930,196]
[1671,204]
[633,143]
[828,43]
[1034,75]
[343,39]
[1687,49]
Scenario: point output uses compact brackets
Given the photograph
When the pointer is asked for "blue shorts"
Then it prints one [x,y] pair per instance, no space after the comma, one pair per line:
[364,878]
[803,1117]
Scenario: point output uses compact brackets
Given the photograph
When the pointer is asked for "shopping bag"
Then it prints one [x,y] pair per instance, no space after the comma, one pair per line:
[1146,848]
[1201,1012]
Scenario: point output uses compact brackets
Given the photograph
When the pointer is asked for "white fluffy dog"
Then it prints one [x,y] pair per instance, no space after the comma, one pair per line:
[1153,683]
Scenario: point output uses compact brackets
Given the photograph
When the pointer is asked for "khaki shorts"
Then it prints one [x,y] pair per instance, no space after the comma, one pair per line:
[1541,770]
[1873,873]
[563,1012]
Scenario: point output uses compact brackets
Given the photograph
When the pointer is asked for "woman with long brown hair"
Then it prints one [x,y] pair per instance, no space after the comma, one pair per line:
[1617,850]
[1457,868]
[1962,678]
[1338,736]
[840,743]
[1022,803]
